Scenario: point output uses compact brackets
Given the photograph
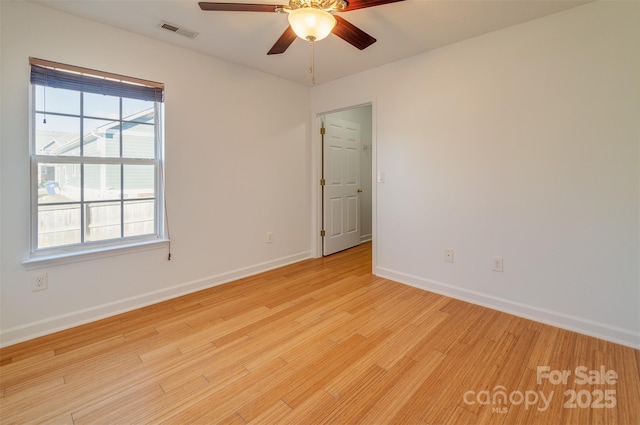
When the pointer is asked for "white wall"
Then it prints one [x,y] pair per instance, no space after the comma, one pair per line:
[228,183]
[522,143]
[363,116]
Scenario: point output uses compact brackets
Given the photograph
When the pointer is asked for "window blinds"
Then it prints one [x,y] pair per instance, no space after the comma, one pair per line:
[94,83]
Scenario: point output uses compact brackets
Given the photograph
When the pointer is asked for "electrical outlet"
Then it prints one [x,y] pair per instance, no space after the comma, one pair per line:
[498,264]
[39,281]
[269,237]
[448,255]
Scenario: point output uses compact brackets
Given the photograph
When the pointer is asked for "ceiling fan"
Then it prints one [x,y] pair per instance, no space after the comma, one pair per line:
[311,20]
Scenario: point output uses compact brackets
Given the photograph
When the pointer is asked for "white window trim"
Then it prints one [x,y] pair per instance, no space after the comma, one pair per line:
[59,259]
[60,255]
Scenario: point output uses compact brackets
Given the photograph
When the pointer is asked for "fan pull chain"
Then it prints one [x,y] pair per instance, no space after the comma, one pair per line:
[44,100]
[312,68]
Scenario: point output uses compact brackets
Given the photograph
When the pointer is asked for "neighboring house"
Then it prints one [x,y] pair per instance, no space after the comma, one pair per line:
[60,183]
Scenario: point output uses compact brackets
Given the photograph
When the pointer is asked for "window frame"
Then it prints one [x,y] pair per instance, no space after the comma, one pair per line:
[113,246]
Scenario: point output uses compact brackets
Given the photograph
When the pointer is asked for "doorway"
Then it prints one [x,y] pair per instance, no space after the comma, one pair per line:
[347,158]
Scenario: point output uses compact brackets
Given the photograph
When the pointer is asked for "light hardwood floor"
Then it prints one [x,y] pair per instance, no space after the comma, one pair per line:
[320,341]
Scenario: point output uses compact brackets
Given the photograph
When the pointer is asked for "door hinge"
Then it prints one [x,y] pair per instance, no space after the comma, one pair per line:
[322,233]
[323,130]
[323,182]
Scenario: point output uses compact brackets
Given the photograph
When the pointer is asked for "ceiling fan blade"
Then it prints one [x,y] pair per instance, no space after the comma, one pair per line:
[283,42]
[352,34]
[238,7]
[361,4]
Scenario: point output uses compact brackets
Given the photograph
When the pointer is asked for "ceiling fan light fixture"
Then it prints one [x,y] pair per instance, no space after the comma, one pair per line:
[311,24]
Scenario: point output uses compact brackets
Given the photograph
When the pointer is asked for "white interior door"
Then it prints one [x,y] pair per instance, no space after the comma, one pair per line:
[341,203]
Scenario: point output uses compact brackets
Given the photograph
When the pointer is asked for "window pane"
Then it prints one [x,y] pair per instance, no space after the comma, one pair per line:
[58,136]
[57,100]
[108,194]
[58,183]
[139,218]
[58,225]
[139,181]
[102,221]
[98,105]
[138,141]
[101,182]
[138,110]
[101,138]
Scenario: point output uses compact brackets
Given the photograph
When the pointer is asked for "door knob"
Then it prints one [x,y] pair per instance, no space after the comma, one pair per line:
[359,190]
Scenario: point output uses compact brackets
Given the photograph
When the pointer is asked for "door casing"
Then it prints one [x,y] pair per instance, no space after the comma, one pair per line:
[316,173]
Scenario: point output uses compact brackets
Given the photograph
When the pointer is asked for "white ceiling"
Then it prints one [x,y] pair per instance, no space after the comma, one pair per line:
[402,29]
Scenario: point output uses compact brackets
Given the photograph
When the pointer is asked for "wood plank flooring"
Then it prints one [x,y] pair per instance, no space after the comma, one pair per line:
[320,341]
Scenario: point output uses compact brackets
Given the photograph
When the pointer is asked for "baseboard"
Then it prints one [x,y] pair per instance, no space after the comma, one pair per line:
[58,323]
[365,238]
[577,324]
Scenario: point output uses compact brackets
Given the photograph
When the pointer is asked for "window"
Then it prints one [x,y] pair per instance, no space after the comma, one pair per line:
[96,160]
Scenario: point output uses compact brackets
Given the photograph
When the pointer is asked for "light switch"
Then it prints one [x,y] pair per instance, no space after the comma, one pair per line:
[380,176]
[498,264]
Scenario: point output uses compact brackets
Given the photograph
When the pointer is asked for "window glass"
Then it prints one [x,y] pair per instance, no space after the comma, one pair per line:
[96,159]
[139,217]
[138,140]
[58,183]
[138,110]
[139,181]
[103,221]
[58,225]
[61,101]
[101,106]
[101,138]
[102,182]
[57,135]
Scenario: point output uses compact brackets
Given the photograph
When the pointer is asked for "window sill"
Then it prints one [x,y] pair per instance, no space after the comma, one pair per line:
[43,261]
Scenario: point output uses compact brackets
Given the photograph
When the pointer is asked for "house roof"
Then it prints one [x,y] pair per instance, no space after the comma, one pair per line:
[95,134]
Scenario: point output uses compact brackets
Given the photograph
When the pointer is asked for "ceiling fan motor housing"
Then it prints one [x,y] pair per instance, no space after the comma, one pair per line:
[327,5]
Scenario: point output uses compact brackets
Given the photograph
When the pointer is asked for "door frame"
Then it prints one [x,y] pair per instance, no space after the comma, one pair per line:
[316,173]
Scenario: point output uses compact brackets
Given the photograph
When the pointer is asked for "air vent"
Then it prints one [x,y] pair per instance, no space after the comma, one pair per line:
[178,30]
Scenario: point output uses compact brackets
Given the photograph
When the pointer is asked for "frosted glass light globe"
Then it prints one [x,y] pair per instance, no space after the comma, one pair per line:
[311,24]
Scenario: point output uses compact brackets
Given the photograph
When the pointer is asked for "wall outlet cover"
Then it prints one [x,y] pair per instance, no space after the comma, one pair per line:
[39,281]
[448,255]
